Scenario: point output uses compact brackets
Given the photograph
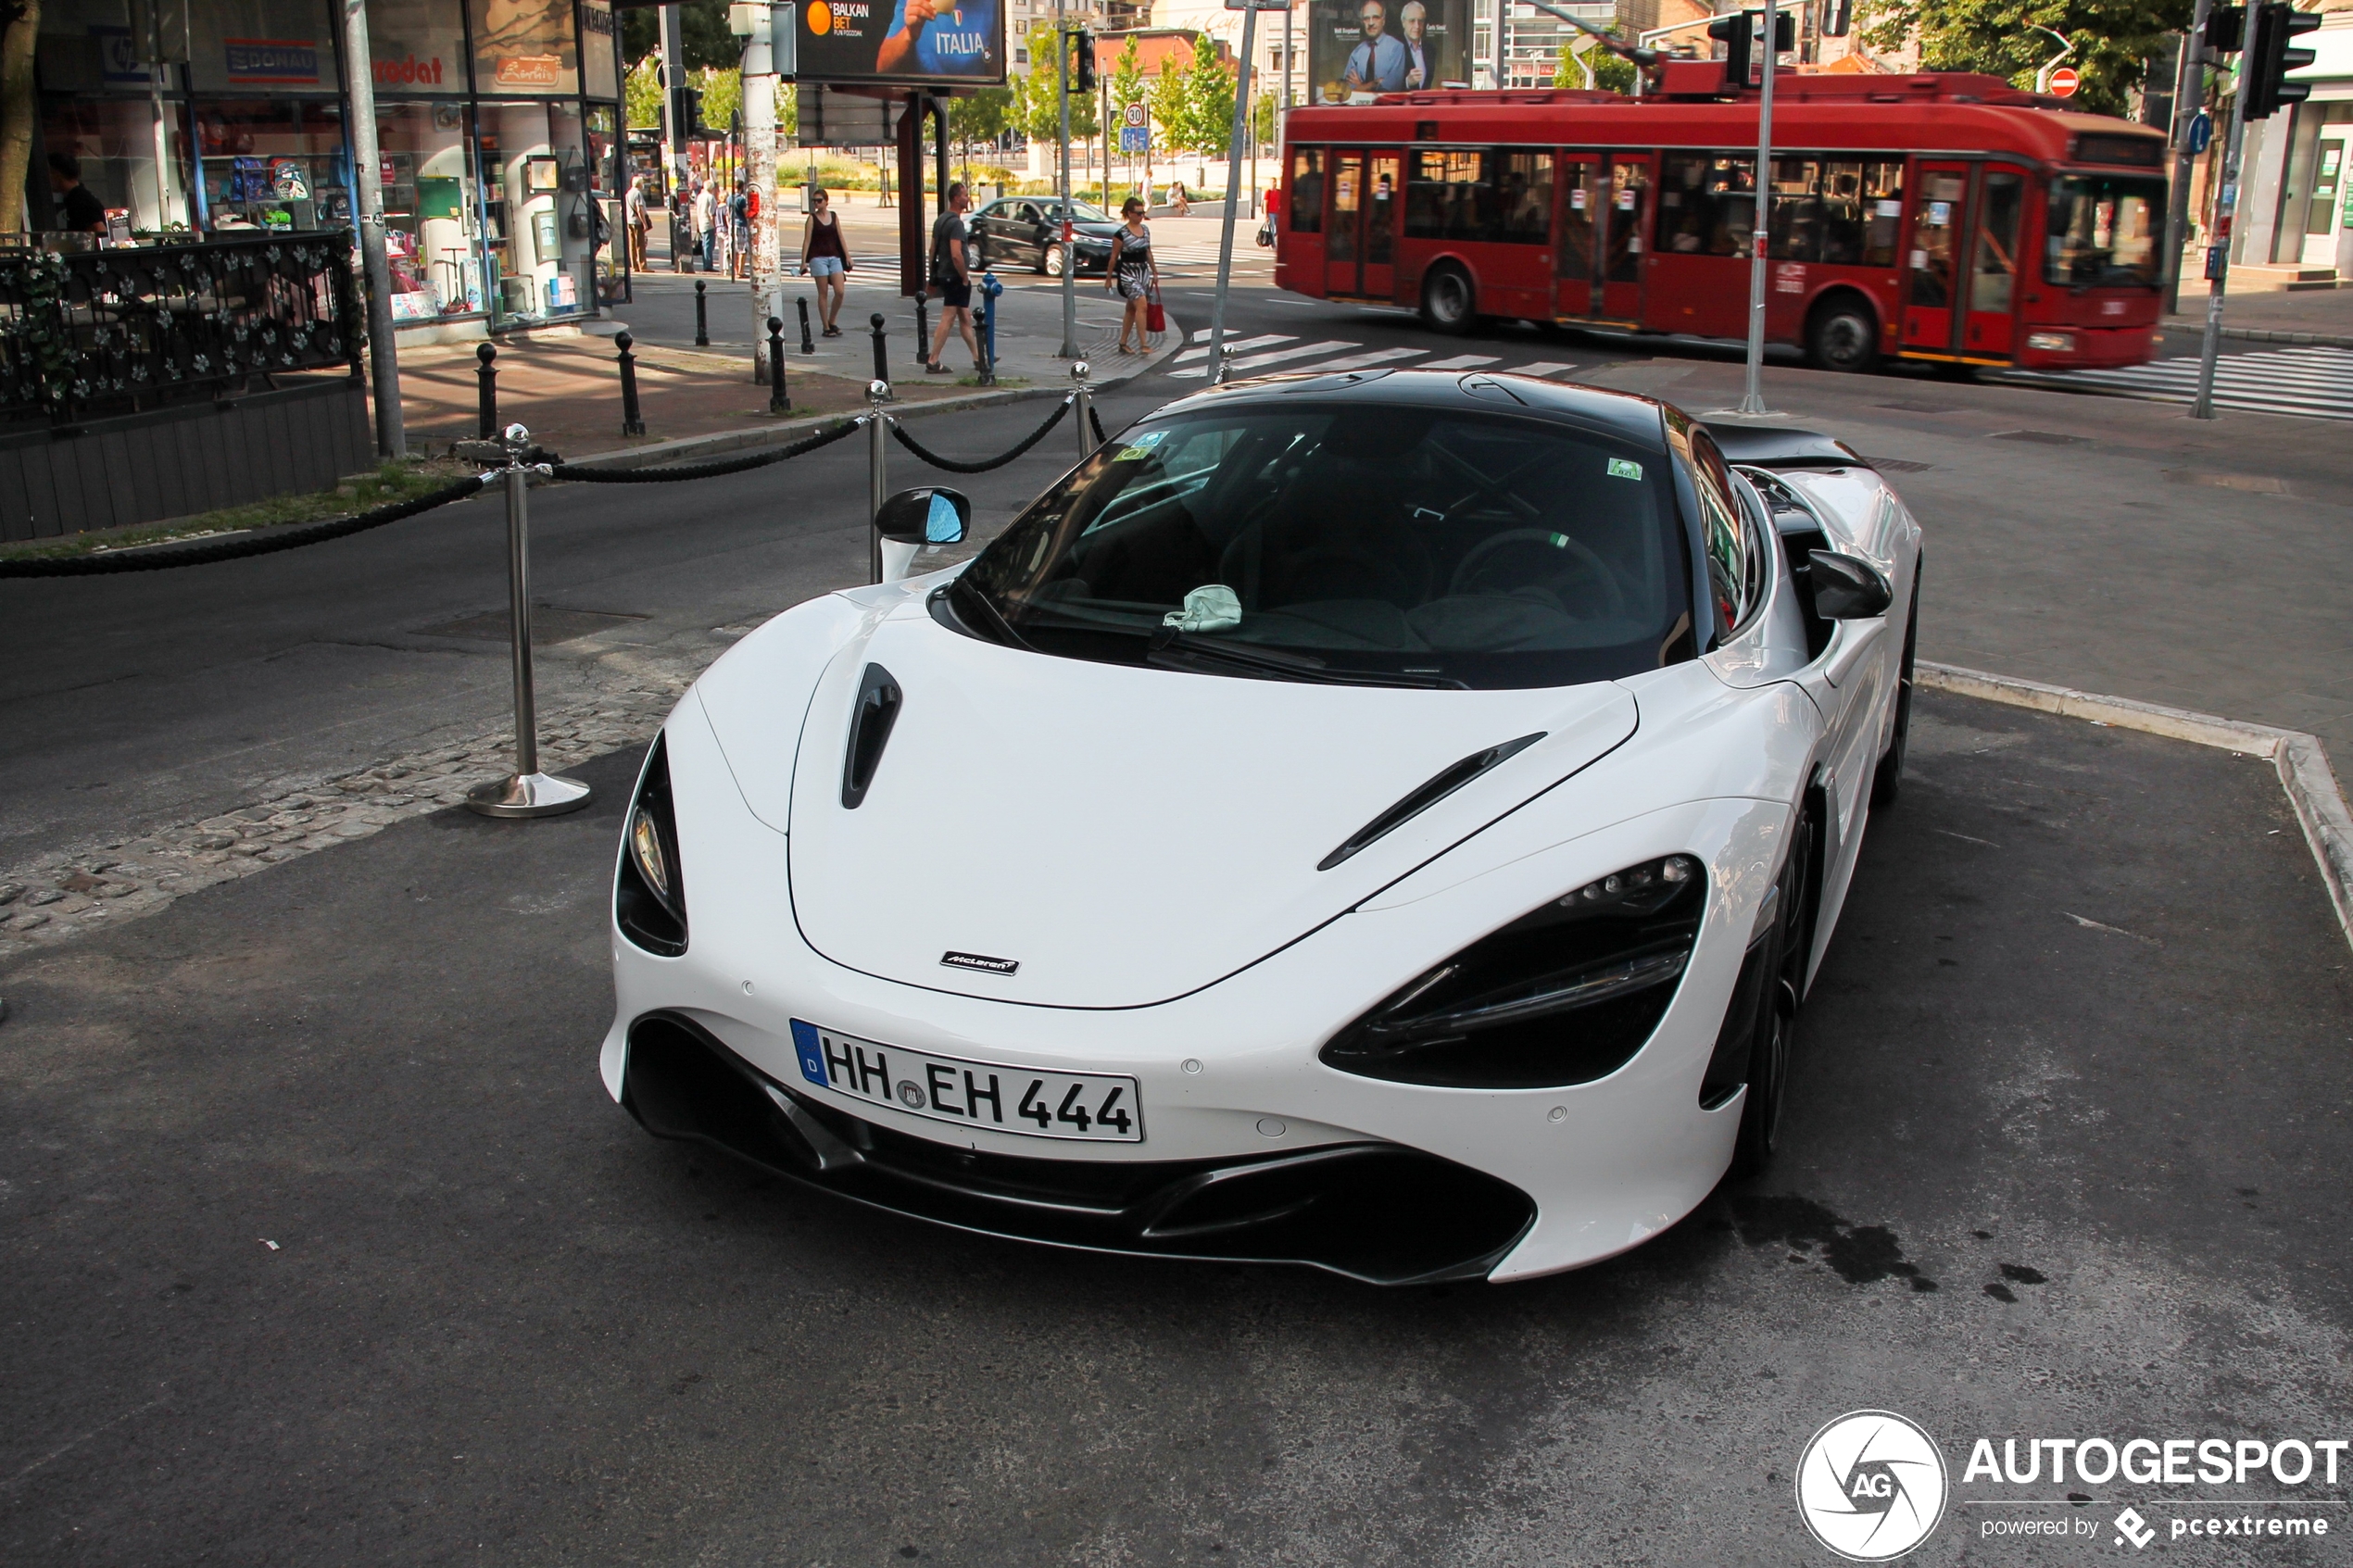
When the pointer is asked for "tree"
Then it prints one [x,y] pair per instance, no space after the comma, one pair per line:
[641,94]
[1171,110]
[1612,73]
[21,20]
[1262,118]
[980,117]
[1209,99]
[722,95]
[2112,38]
[702,27]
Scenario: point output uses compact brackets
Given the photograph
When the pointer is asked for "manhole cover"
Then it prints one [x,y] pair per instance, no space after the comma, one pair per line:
[2041,437]
[548,624]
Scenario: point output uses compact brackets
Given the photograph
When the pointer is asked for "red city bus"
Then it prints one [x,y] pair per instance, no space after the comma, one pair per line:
[1943,216]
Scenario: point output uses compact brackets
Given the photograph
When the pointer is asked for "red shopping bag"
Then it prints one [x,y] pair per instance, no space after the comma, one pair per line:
[1156,319]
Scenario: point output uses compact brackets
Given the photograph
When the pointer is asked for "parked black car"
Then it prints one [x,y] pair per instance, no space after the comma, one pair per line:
[1027,230]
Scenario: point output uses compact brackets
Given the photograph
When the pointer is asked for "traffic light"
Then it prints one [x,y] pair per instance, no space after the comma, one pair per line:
[1082,59]
[1839,19]
[685,113]
[2225,26]
[1740,33]
[2264,67]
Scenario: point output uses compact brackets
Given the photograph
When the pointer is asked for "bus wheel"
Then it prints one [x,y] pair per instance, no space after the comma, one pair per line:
[1843,335]
[1449,303]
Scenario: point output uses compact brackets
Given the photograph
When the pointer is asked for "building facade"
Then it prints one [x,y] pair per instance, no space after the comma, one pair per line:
[497,129]
[2296,226]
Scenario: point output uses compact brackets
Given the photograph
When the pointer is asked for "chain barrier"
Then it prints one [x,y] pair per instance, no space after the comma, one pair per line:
[1097,420]
[159,558]
[952,466]
[825,437]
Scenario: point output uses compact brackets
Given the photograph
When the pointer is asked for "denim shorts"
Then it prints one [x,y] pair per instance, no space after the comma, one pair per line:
[824,265]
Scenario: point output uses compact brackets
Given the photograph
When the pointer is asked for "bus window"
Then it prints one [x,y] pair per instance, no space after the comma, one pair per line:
[1575,261]
[1451,195]
[1796,210]
[1939,220]
[1628,178]
[1306,190]
[1348,179]
[1862,199]
[1706,204]
[2103,229]
[1994,269]
[1526,198]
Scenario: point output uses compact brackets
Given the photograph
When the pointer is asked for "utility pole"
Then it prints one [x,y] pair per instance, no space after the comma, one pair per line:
[1248,9]
[2189,102]
[673,75]
[368,209]
[1753,387]
[760,69]
[1070,252]
[2218,253]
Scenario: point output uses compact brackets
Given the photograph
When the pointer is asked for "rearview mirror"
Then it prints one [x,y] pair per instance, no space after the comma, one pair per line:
[929,516]
[1845,588]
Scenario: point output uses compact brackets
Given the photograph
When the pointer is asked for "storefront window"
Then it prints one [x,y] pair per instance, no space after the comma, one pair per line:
[263,45]
[539,215]
[429,211]
[600,59]
[418,47]
[524,48]
[113,142]
[272,164]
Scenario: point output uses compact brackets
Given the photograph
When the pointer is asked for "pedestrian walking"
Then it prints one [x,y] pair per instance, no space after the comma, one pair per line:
[1133,272]
[951,274]
[706,224]
[740,234]
[636,220]
[824,257]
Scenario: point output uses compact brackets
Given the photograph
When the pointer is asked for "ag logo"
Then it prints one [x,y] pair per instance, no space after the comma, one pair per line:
[1871,1485]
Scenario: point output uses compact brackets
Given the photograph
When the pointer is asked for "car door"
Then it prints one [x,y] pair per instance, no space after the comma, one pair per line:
[985,225]
[1030,231]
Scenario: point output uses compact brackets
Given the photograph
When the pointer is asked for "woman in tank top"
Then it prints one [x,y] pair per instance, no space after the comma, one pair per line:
[825,258]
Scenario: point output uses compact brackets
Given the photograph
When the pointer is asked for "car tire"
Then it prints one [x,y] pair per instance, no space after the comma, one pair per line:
[1887,782]
[1775,1041]
[1449,301]
[1843,335]
[1051,262]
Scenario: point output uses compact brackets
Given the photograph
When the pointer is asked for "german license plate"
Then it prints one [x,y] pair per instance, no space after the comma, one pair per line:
[1086,1107]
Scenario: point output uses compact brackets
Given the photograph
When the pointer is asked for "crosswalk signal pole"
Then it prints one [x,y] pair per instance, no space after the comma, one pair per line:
[2217,255]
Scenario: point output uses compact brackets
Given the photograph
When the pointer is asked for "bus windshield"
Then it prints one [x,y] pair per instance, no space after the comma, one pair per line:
[2103,229]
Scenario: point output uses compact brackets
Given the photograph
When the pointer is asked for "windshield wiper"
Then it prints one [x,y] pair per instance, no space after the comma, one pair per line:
[1175,650]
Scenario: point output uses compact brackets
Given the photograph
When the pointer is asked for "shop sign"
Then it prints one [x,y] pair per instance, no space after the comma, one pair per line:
[118,55]
[411,73]
[529,70]
[288,62]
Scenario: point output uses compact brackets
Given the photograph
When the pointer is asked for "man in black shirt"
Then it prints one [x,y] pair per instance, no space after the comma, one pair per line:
[951,274]
[78,211]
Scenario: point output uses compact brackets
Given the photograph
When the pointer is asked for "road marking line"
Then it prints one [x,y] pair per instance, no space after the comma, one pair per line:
[1367,361]
[1257,360]
[1539,367]
[1462,362]
[1239,345]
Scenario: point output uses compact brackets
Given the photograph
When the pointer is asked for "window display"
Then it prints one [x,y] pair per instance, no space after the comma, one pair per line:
[113,142]
[429,211]
[272,164]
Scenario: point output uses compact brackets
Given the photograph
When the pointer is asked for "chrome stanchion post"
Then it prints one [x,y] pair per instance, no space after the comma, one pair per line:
[1225,353]
[1079,373]
[527,792]
[878,479]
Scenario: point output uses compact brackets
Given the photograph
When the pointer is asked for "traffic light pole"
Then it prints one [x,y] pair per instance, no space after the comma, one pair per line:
[1753,386]
[1233,197]
[2189,102]
[2218,264]
[1070,251]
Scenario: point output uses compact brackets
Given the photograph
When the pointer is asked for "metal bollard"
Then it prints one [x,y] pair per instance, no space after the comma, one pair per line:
[486,393]
[807,343]
[1226,352]
[527,792]
[702,318]
[779,402]
[1079,372]
[878,479]
[633,422]
[990,289]
[882,365]
[922,329]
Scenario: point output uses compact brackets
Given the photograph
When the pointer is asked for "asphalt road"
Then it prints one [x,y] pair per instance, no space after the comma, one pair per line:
[321,1242]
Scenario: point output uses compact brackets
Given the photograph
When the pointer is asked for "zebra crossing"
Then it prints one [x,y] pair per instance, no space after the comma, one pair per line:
[1203,253]
[1278,351]
[2313,384]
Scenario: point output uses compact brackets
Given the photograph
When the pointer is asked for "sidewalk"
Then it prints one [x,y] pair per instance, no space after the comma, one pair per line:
[2311,316]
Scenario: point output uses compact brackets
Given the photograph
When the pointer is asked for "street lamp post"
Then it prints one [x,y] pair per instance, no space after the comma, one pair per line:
[1752,385]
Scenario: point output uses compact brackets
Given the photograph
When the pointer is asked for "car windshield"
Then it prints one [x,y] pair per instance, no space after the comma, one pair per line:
[1383,545]
[1080,212]
[2103,229]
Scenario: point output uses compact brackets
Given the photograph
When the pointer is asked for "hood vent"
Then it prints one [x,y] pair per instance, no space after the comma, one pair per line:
[871,718]
[1428,796]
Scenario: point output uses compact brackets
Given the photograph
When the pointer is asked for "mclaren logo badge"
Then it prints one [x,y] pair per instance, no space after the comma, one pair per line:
[980,961]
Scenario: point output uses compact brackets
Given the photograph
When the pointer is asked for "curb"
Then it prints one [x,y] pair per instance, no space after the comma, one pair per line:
[2302,762]
[2268,335]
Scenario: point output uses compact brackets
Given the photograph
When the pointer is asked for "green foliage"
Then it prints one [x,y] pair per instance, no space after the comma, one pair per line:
[1126,81]
[1209,100]
[980,118]
[1611,74]
[1262,118]
[2112,38]
[702,26]
[1171,109]
[722,95]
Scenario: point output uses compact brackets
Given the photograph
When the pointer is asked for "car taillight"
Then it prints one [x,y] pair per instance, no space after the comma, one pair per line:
[650,890]
[1563,995]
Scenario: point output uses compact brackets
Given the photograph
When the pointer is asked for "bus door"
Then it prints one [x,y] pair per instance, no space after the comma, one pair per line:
[1627,178]
[1360,241]
[1993,270]
[1384,200]
[1938,212]
[1575,282]
[1343,225]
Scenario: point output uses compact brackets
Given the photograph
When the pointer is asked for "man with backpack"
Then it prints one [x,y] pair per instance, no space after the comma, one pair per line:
[951,275]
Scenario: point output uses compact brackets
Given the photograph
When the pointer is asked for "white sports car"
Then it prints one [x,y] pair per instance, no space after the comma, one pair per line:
[1382,822]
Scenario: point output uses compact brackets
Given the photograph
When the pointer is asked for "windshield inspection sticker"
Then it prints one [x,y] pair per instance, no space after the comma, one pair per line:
[1141,446]
[1212,609]
[1621,468]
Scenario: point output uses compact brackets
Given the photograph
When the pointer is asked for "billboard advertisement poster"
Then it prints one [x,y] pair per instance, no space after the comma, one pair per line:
[1358,49]
[913,41]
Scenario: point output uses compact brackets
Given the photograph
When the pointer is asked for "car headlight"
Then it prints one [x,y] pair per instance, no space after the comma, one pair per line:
[1563,995]
[650,890]
[2051,343]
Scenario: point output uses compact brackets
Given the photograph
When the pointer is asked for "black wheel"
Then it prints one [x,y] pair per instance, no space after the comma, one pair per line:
[1888,781]
[1051,262]
[1776,1036]
[1450,303]
[1843,335]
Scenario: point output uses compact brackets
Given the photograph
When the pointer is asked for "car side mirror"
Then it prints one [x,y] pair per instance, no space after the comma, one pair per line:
[908,520]
[1845,588]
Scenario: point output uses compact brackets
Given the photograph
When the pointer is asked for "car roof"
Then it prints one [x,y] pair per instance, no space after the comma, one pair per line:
[1625,415]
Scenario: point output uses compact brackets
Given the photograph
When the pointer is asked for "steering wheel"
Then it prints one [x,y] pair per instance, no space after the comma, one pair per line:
[1467,574]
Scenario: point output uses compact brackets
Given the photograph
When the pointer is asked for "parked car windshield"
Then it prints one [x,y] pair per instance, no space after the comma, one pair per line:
[1080,212]
[2103,229]
[1384,544]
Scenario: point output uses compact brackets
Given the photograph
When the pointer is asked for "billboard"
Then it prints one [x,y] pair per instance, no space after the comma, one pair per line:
[1356,48]
[912,43]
